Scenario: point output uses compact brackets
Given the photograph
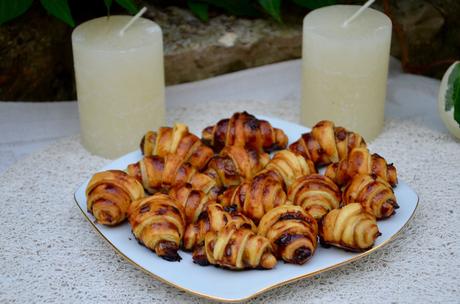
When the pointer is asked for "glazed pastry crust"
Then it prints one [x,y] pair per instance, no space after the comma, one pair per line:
[286,166]
[373,193]
[179,141]
[238,248]
[162,173]
[158,222]
[109,194]
[327,143]
[244,130]
[360,161]
[349,227]
[214,219]
[235,165]
[316,194]
[292,232]
[254,198]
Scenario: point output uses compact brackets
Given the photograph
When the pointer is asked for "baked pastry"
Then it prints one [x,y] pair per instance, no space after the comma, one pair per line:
[195,202]
[177,140]
[214,219]
[254,198]
[292,232]
[158,173]
[317,194]
[286,166]
[158,222]
[237,248]
[360,161]
[244,130]
[236,164]
[373,193]
[109,194]
[326,143]
[349,227]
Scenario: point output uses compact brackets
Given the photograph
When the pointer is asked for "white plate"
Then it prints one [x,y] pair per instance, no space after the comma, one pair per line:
[225,285]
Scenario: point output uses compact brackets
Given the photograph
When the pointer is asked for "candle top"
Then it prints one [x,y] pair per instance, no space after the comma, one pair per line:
[103,33]
[328,21]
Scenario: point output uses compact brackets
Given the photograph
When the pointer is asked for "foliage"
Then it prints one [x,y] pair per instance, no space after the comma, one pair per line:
[10,9]
[250,8]
[453,93]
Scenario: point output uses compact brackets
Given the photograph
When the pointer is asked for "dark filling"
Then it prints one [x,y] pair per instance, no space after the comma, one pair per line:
[145,208]
[291,216]
[168,251]
[231,209]
[301,255]
[199,257]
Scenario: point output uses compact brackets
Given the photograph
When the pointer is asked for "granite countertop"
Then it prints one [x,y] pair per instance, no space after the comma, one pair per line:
[51,254]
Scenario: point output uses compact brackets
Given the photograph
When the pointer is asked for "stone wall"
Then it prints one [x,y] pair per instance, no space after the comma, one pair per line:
[36,59]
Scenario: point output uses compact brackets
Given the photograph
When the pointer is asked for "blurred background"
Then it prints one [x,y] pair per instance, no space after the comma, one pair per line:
[205,38]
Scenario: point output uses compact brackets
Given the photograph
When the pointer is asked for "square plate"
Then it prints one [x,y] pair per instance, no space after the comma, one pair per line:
[231,286]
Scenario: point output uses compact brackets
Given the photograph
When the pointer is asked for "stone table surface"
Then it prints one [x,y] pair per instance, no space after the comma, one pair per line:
[50,254]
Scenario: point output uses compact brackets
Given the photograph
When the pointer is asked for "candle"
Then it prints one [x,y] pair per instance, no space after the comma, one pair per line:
[120,82]
[345,68]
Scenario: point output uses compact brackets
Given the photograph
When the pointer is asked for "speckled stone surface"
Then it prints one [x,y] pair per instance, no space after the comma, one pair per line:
[50,254]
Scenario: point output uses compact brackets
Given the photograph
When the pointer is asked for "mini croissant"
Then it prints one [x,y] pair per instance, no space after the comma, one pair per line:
[244,130]
[317,194]
[360,161]
[162,173]
[326,143]
[373,193]
[214,219]
[177,140]
[349,227]
[286,166]
[236,164]
[158,222]
[254,198]
[109,195]
[238,248]
[195,202]
[292,232]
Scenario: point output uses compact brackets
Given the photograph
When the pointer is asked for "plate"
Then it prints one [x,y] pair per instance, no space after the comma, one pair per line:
[232,286]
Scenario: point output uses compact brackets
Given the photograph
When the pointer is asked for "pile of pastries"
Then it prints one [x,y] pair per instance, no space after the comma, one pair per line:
[225,199]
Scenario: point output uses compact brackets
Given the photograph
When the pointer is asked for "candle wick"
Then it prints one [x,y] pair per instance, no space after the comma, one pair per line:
[355,15]
[133,19]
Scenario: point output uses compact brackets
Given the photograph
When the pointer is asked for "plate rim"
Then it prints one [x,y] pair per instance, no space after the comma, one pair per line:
[264,289]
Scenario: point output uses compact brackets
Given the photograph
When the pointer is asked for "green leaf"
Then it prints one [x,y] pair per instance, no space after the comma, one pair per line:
[314,4]
[59,9]
[236,7]
[272,7]
[129,6]
[108,4]
[456,95]
[199,9]
[10,9]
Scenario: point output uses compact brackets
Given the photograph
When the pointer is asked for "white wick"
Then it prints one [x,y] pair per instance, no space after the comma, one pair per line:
[355,15]
[135,17]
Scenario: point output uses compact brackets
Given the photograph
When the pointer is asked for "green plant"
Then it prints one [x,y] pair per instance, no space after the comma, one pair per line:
[10,9]
[250,8]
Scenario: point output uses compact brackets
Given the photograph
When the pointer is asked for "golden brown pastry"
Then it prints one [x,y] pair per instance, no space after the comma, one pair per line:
[177,140]
[373,193]
[237,248]
[317,194]
[254,198]
[158,222]
[236,164]
[326,143]
[286,166]
[162,173]
[349,227]
[195,202]
[244,130]
[292,232]
[214,219]
[109,195]
[360,161]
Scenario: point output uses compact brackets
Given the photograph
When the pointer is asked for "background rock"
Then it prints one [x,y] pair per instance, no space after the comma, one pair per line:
[36,58]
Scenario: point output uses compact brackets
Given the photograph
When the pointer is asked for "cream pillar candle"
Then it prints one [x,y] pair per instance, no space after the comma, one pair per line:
[344,68]
[120,82]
